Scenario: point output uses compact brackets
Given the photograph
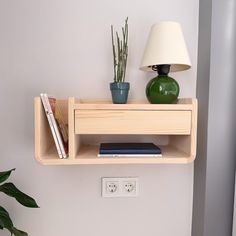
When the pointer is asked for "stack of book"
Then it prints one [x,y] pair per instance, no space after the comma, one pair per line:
[57,125]
[129,150]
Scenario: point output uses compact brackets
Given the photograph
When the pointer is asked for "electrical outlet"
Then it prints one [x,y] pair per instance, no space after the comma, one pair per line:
[111,187]
[130,187]
[120,187]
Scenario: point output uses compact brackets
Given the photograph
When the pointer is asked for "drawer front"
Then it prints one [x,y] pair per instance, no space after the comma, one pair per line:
[132,122]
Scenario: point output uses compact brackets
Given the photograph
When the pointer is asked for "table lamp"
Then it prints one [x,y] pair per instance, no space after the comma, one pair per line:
[165,52]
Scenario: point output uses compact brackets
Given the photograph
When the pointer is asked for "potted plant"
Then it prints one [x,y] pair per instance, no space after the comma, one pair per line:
[120,88]
[25,200]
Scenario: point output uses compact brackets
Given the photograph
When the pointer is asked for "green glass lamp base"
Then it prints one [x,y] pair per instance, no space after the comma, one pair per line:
[162,90]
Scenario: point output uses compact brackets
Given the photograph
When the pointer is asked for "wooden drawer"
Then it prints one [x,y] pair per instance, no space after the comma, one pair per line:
[132,122]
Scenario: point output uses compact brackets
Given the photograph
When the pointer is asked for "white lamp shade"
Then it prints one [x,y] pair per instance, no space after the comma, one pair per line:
[166,45]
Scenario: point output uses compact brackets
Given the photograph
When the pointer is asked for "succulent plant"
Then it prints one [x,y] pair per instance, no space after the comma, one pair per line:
[120,52]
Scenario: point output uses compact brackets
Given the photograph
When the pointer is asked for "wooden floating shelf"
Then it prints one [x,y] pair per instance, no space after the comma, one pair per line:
[177,121]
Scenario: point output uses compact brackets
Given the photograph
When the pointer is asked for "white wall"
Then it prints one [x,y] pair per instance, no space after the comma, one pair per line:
[64,47]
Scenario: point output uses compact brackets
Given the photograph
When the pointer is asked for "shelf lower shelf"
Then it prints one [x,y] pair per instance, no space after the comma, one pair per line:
[88,155]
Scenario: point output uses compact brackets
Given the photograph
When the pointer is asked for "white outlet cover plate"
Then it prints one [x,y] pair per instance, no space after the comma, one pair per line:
[123,184]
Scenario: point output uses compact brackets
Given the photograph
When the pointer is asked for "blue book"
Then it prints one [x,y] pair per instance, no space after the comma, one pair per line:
[129,149]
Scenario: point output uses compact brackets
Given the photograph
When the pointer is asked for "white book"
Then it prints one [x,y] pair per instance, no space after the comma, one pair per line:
[53,126]
[50,125]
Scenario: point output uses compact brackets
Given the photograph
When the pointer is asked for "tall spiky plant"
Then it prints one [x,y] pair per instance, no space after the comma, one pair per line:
[120,52]
[25,200]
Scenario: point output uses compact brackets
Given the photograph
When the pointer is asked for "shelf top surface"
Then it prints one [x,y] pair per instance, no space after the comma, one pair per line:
[181,104]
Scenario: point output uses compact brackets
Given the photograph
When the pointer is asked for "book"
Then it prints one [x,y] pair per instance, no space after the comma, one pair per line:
[63,128]
[49,104]
[46,109]
[129,150]
[60,127]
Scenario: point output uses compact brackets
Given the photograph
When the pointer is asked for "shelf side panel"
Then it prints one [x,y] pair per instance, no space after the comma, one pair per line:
[194,128]
[74,140]
[188,143]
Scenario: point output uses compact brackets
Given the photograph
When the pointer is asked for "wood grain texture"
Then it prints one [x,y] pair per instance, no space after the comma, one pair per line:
[43,137]
[44,142]
[132,122]
[179,121]
[88,155]
[74,141]
[194,129]
[182,104]
[188,143]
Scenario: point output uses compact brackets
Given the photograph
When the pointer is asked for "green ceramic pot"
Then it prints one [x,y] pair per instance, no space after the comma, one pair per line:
[162,89]
[119,92]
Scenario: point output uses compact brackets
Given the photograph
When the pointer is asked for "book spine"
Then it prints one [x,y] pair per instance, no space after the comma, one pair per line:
[131,152]
[51,125]
[58,136]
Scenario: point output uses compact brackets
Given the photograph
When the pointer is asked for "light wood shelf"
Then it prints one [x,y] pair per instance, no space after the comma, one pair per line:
[100,117]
